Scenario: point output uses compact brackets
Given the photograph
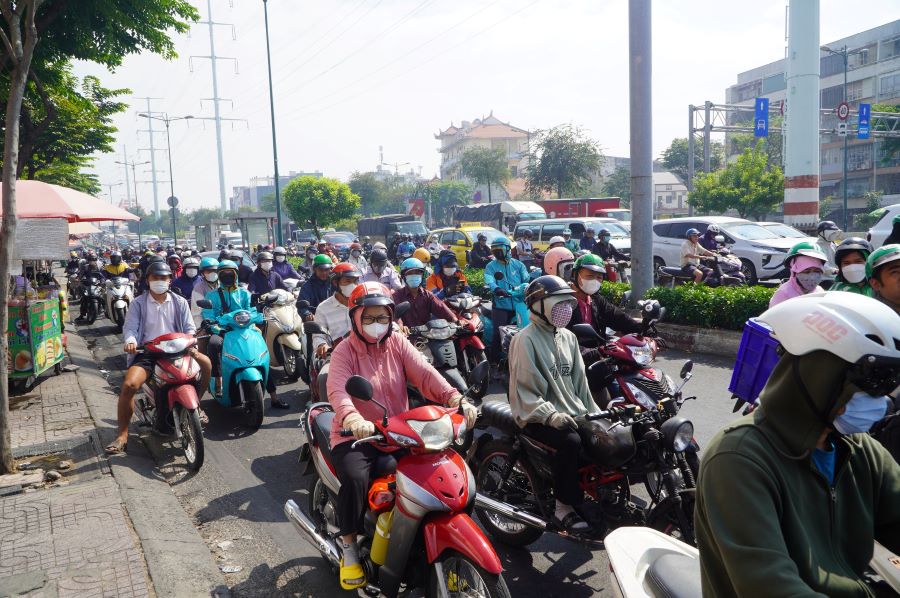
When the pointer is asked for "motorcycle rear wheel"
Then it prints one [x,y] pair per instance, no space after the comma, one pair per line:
[291,360]
[91,316]
[473,358]
[191,438]
[252,399]
[463,577]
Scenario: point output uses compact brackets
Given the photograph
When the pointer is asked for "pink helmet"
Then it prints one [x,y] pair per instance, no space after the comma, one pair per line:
[559,262]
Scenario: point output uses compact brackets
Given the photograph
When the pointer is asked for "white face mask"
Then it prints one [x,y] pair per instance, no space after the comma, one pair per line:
[279,258]
[375,330]
[854,273]
[831,234]
[590,286]
[266,266]
[159,286]
[354,253]
[347,289]
[211,276]
[449,271]
[191,272]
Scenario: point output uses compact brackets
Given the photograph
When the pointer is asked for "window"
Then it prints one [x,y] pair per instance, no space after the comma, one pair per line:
[552,230]
[890,85]
[668,187]
[577,230]
[854,91]
[859,157]
[678,229]
[514,171]
[773,83]
[534,228]
[662,229]
[889,48]
[832,96]
[831,65]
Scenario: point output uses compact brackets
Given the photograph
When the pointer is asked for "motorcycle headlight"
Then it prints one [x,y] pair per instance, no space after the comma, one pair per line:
[645,400]
[642,355]
[436,434]
[287,327]
[403,439]
[176,345]
[242,318]
[678,433]
[439,334]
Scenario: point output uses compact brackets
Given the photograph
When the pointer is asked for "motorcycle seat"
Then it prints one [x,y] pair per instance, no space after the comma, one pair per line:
[499,414]
[673,271]
[675,575]
[385,463]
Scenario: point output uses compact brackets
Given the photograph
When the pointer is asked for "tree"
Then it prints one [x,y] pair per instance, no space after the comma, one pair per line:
[562,159]
[618,184]
[443,195]
[826,205]
[890,146]
[773,144]
[485,166]
[675,157]
[319,201]
[872,214]
[749,185]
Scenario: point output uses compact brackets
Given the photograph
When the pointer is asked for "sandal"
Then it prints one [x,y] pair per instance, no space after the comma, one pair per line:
[573,523]
[204,419]
[279,404]
[352,576]
[116,447]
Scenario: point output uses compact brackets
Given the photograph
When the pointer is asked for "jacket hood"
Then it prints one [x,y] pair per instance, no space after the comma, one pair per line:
[785,410]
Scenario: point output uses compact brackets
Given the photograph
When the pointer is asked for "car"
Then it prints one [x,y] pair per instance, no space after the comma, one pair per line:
[544,230]
[341,241]
[461,240]
[881,230]
[246,259]
[760,250]
[784,230]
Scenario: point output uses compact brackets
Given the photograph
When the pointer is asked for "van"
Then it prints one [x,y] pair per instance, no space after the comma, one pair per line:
[544,230]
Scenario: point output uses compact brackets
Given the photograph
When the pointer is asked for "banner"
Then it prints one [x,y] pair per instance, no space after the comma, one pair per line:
[46,334]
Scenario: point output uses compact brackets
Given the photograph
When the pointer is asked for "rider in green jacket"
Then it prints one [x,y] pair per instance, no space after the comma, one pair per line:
[850,257]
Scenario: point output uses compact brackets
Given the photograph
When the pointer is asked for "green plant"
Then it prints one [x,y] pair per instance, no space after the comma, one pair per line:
[719,307]
[475,276]
[614,291]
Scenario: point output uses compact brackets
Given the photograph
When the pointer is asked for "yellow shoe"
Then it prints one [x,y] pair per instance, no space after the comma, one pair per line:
[352,576]
[455,584]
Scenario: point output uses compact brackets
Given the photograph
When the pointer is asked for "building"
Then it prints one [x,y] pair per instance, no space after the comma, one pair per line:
[246,198]
[873,77]
[670,195]
[489,132]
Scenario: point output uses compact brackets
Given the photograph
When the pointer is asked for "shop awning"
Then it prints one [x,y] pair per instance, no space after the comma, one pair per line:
[35,199]
[82,228]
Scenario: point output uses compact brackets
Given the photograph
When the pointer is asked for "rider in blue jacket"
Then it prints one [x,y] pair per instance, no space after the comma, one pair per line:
[514,273]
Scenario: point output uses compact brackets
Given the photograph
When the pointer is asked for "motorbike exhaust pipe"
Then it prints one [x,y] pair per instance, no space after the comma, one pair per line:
[509,511]
[308,530]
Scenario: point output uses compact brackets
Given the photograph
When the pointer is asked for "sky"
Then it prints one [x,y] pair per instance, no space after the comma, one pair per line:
[352,75]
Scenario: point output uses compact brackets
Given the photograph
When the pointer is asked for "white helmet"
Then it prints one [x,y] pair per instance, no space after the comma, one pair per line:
[713,228]
[191,261]
[279,251]
[556,239]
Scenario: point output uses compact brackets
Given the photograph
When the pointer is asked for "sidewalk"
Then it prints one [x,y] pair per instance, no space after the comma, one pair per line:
[97,526]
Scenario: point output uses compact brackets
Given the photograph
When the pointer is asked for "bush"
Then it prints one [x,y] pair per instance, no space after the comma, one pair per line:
[295,261]
[720,307]
[614,291]
[475,276]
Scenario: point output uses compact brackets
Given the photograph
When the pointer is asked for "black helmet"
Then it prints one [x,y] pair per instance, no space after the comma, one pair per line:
[482,237]
[826,225]
[378,257]
[852,244]
[160,268]
[115,258]
[546,286]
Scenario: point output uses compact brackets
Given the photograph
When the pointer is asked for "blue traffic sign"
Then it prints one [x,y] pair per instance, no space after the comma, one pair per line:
[862,128]
[761,119]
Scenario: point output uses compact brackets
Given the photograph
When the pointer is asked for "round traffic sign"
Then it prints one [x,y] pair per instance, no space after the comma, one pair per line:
[843,110]
[172,201]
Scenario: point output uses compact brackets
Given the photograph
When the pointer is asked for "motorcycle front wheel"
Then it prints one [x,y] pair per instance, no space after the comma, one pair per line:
[675,518]
[119,317]
[453,574]
[292,360]
[91,316]
[252,400]
[191,438]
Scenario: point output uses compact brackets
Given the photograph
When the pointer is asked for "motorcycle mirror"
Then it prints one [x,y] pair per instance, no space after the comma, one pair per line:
[401,309]
[686,368]
[359,388]
[498,276]
[479,373]
[720,239]
[313,328]
[204,304]
[626,298]
[585,332]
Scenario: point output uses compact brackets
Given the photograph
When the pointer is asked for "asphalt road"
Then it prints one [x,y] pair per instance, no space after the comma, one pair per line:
[236,499]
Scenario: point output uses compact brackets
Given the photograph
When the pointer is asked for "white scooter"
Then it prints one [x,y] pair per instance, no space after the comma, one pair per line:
[646,563]
[119,295]
[283,331]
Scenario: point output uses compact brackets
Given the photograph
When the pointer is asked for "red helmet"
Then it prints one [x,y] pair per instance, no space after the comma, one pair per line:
[356,246]
[370,294]
[345,269]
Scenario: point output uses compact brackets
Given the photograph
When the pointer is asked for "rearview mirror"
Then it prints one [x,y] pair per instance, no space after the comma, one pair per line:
[498,276]
[720,239]
[686,369]
[401,309]
[313,328]
[585,332]
[204,304]
[479,374]
[359,388]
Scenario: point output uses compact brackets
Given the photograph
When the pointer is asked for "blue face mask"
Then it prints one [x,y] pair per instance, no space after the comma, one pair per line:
[414,280]
[861,413]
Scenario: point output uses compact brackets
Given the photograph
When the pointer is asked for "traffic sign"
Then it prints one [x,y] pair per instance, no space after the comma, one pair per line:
[842,110]
[842,129]
[862,127]
[761,118]
[172,201]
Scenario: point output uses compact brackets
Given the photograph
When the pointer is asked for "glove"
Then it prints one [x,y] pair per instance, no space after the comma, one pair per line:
[360,426]
[561,421]
[469,411]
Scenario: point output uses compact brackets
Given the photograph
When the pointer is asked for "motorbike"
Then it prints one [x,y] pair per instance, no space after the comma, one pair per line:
[470,348]
[119,295]
[622,446]
[73,282]
[245,363]
[91,296]
[174,382]
[283,330]
[615,270]
[418,531]
[520,318]
[435,341]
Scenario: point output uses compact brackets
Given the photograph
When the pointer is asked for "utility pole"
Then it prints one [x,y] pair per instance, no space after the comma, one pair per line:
[173,201]
[689,183]
[112,201]
[127,181]
[279,235]
[152,151]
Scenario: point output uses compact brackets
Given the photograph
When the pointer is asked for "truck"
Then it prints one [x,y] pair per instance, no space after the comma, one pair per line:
[580,207]
[503,215]
[382,228]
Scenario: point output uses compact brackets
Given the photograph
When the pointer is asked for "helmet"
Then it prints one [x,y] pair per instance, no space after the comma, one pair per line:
[378,256]
[880,257]
[379,245]
[115,258]
[370,294]
[604,231]
[367,238]
[209,263]
[73,254]
[446,256]
[826,225]
[411,263]
[406,236]
[158,269]
[322,260]
[849,245]
[279,251]
[227,265]
[191,261]
[174,259]
[345,269]
[690,232]
[559,261]
[527,232]
[556,239]
[544,288]
[355,246]
[264,255]
[591,262]
[567,232]
[236,254]
[482,237]
[804,248]
[589,229]
[421,254]
[714,229]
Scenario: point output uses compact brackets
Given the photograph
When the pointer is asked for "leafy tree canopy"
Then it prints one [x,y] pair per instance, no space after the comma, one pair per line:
[485,166]
[313,202]
[675,157]
[443,195]
[562,160]
[618,184]
[890,146]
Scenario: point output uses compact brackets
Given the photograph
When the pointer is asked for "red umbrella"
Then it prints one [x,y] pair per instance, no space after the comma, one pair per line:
[35,199]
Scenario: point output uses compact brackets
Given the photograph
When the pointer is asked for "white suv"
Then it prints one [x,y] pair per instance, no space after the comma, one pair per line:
[761,251]
[882,229]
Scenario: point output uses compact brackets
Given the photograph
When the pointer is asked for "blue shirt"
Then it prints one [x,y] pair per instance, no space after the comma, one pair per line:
[824,462]
[514,274]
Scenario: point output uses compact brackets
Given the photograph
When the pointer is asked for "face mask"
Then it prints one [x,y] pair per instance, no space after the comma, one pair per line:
[266,266]
[354,253]
[449,271]
[831,235]
[159,286]
[561,314]
[500,255]
[228,279]
[375,330]
[211,276]
[378,269]
[190,272]
[590,286]
[605,239]
[809,280]
[854,273]
[861,413]
[347,289]
[279,258]
[413,281]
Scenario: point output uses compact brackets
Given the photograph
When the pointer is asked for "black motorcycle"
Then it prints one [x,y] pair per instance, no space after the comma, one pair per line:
[435,341]
[91,297]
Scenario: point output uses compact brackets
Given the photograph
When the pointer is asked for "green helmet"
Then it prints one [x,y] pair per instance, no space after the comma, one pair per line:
[589,262]
[880,257]
[322,260]
[804,248]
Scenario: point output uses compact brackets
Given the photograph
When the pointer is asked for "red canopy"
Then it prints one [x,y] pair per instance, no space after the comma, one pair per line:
[35,199]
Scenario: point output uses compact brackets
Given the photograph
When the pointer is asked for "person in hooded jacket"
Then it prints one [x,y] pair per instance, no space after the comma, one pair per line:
[282,267]
[447,279]
[307,265]
[317,287]
[244,271]
[356,257]
[381,270]
[174,264]
[827,233]
[850,257]
[791,498]
[207,281]
[184,284]
[264,278]
[807,266]
[377,352]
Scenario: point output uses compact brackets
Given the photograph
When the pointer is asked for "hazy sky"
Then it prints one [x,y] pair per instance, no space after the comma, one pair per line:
[351,75]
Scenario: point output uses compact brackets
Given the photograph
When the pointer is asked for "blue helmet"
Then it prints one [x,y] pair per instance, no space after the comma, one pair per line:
[502,243]
[411,263]
[209,262]
[691,231]
[227,265]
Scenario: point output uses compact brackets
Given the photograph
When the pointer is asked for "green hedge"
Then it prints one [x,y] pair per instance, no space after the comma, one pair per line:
[720,307]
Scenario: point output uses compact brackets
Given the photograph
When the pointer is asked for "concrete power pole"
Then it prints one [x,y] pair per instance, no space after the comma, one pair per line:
[149,130]
[801,158]
[127,177]
[641,107]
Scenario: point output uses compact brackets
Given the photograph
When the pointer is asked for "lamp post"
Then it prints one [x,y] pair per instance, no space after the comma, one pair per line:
[279,234]
[166,119]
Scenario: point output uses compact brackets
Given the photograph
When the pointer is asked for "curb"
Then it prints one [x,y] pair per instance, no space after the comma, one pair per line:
[179,561]
[694,339]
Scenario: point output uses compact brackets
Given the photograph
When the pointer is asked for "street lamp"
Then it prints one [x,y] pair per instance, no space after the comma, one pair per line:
[279,235]
[166,119]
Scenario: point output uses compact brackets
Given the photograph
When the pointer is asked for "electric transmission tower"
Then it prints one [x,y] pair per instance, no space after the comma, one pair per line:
[150,131]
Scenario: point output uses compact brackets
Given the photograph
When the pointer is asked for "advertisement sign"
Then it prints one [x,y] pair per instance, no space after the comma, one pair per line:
[18,360]
[46,334]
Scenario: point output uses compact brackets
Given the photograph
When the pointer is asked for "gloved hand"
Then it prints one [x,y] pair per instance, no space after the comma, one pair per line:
[469,411]
[360,426]
[561,421]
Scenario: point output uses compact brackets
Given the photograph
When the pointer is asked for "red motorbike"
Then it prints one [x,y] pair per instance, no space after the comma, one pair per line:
[468,339]
[615,270]
[174,383]
[418,531]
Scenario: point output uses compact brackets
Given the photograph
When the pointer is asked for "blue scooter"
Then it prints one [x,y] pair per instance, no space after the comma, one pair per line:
[245,363]
[520,319]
